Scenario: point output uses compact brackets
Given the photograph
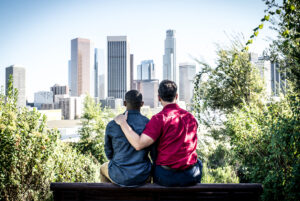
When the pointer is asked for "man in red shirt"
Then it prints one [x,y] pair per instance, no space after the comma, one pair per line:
[175,132]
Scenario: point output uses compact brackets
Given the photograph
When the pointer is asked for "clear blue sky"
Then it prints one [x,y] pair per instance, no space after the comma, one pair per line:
[36,33]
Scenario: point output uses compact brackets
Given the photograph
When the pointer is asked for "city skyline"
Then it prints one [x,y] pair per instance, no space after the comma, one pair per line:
[38,37]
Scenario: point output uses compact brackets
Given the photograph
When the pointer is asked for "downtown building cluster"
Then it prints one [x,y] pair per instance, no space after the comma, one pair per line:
[107,79]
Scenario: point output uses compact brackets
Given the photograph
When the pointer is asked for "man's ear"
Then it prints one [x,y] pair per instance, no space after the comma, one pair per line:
[159,98]
[176,97]
[125,103]
[142,103]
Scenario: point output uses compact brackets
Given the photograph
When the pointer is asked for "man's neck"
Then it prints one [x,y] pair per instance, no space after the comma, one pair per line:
[164,104]
[129,108]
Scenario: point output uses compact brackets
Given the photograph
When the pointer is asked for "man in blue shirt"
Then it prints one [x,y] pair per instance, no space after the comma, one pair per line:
[127,167]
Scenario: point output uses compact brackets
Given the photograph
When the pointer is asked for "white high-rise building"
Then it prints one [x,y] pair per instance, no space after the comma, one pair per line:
[170,71]
[187,73]
[265,73]
[118,66]
[19,80]
[273,78]
[146,70]
[96,73]
[278,79]
[102,73]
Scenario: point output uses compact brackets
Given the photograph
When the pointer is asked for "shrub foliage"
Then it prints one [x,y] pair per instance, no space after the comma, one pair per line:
[33,156]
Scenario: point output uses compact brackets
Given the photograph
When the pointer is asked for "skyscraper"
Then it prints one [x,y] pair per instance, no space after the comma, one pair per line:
[273,77]
[170,71]
[102,75]
[187,74]
[131,70]
[96,73]
[81,67]
[264,66]
[278,79]
[118,69]
[146,70]
[19,80]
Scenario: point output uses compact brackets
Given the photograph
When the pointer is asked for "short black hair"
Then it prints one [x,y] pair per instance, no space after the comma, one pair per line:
[167,90]
[134,98]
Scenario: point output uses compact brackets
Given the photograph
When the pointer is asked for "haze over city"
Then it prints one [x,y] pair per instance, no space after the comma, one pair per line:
[37,34]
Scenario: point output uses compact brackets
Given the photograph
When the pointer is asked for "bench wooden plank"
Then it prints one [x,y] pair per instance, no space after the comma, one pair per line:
[107,191]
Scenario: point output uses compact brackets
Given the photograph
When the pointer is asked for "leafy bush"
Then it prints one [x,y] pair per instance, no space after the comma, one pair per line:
[266,141]
[32,156]
[219,175]
[92,131]
[217,158]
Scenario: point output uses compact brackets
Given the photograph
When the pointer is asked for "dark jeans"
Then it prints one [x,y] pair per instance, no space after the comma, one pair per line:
[187,177]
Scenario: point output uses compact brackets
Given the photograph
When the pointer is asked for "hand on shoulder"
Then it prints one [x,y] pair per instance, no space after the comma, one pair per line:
[120,119]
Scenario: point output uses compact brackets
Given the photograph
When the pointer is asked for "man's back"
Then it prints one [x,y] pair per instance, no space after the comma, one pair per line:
[176,132]
[127,167]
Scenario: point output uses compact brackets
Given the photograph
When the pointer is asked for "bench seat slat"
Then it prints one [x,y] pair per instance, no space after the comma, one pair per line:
[107,191]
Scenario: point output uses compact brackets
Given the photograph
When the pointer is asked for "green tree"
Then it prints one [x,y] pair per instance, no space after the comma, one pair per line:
[231,82]
[267,144]
[266,139]
[94,121]
[217,91]
[32,156]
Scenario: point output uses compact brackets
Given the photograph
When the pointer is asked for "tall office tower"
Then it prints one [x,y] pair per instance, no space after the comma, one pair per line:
[102,92]
[149,90]
[170,71]
[69,74]
[81,67]
[146,70]
[19,79]
[264,66]
[131,70]
[187,74]
[118,69]
[278,79]
[96,73]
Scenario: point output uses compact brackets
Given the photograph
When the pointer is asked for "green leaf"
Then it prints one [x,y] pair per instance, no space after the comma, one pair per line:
[292,7]
[278,11]
[267,17]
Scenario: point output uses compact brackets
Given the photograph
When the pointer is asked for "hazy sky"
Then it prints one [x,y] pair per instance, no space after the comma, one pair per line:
[37,33]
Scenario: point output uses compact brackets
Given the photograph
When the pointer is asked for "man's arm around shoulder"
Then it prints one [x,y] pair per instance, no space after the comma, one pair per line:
[139,142]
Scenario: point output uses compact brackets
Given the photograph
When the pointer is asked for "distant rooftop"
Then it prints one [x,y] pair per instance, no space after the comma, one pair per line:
[116,38]
[64,123]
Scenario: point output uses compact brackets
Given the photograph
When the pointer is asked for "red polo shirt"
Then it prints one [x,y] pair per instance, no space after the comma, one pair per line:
[176,132]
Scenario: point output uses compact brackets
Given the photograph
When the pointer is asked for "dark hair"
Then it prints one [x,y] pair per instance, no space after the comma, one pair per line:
[167,90]
[134,98]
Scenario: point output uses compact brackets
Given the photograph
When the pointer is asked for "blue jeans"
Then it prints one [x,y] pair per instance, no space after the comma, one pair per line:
[187,177]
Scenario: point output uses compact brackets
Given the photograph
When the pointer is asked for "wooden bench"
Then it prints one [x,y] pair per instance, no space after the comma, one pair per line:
[107,191]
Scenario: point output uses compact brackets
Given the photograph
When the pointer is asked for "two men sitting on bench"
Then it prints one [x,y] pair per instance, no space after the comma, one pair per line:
[173,131]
